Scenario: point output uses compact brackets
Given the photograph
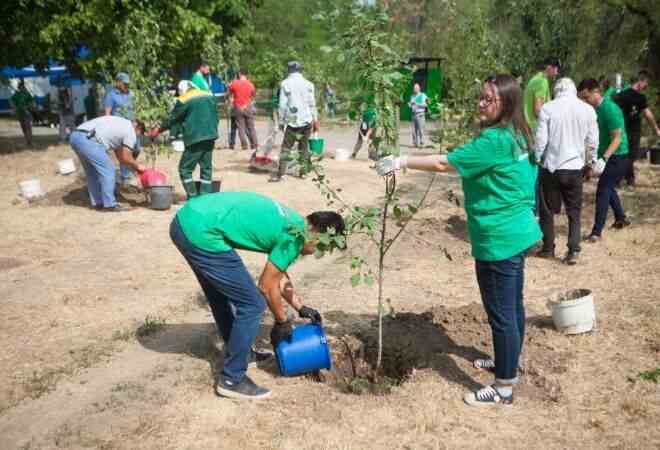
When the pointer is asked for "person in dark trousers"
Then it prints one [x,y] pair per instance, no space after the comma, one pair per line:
[498,176]
[22,103]
[242,93]
[613,149]
[566,139]
[91,104]
[298,119]
[634,105]
[207,231]
[196,113]
[366,130]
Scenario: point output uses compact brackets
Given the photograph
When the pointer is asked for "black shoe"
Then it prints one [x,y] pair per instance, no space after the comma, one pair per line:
[571,258]
[259,356]
[620,224]
[275,179]
[545,253]
[116,208]
[592,238]
[487,396]
[245,390]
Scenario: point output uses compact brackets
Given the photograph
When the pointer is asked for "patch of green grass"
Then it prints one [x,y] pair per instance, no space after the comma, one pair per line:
[652,375]
[151,325]
[123,335]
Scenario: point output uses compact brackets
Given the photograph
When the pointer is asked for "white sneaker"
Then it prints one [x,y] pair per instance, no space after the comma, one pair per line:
[487,396]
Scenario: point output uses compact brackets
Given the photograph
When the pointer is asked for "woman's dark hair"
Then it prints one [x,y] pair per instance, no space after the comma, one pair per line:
[508,91]
[322,220]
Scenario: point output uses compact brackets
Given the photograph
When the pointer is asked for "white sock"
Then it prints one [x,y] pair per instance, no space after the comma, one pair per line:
[504,391]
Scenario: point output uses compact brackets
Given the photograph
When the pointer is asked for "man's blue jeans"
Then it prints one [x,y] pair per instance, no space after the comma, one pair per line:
[226,284]
[501,285]
[616,169]
[99,169]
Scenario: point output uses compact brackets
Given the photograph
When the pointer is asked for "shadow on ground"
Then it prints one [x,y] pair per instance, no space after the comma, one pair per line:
[75,194]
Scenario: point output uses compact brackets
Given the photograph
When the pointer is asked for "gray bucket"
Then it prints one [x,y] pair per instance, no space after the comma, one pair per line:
[161,197]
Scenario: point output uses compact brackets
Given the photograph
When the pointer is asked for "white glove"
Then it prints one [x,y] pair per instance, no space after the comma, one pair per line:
[390,164]
[599,167]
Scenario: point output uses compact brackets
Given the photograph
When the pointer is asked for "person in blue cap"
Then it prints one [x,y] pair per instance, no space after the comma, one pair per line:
[119,102]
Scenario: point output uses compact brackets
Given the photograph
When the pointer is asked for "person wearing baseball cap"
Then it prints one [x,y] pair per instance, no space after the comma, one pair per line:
[119,102]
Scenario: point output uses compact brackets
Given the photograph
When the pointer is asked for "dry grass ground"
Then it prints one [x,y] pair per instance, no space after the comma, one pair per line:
[107,343]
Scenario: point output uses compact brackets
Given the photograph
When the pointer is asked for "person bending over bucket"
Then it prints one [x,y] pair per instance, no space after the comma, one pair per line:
[207,231]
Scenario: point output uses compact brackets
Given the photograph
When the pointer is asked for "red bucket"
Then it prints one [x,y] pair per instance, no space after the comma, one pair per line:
[151,178]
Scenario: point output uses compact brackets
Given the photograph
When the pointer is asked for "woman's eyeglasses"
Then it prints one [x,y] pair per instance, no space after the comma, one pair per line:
[487,100]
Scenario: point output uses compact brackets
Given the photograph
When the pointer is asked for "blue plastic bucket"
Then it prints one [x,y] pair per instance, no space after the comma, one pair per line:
[307,352]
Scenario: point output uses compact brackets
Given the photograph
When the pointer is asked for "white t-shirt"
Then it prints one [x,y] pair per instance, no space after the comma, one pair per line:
[112,132]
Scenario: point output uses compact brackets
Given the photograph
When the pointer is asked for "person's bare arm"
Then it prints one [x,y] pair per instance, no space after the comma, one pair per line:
[614,144]
[289,294]
[648,115]
[269,284]
[538,104]
[432,163]
[125,156]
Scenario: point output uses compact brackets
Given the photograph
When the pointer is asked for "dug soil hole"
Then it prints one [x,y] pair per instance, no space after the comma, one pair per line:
[441,339]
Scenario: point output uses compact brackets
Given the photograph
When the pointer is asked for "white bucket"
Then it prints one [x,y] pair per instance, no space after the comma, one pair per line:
[178,146]
[31,188]
[573,312]
[341,154]
[66,166]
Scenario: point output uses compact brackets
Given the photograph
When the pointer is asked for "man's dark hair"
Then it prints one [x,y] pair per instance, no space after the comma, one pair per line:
[203,64]
[322,220]
[140,126]
[589,84]
[243,71]
[644,75]
[552,61]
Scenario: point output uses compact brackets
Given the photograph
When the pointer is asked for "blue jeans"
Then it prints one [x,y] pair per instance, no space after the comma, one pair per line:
[501,285]
[232,131]
[235,301]
[98,167]
[616,169]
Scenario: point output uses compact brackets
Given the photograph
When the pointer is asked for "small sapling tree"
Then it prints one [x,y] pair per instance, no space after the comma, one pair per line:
[371,51]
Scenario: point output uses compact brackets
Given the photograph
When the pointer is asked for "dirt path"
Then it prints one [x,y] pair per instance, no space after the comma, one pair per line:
[80,286]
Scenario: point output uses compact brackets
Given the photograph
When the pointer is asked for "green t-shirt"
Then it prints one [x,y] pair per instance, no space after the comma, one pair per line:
[537,87]
[369,119]
[22,101]
[498,182]
[610,118]
[246,221]
[200,82]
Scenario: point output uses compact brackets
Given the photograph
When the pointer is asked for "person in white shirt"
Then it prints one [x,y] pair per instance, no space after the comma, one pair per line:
[298,118]
[566,143]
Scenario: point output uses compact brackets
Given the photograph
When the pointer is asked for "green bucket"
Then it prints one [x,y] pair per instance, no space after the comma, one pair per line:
[316,146]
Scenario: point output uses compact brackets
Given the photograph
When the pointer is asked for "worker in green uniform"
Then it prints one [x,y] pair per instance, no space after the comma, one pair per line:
[366,130]
[613,149]
[498,178]
[201,79]
[207,231]
[22,103]
[537,91]
[196,112]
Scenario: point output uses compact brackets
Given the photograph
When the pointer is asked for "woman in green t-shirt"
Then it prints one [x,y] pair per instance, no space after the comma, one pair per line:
[498,177]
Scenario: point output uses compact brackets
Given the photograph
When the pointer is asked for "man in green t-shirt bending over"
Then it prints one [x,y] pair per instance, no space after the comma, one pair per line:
[207,231]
